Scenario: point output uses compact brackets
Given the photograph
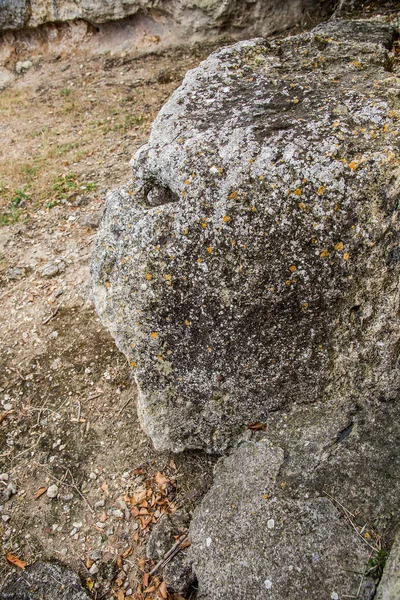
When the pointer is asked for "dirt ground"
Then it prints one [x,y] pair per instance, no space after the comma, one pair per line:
[68,128]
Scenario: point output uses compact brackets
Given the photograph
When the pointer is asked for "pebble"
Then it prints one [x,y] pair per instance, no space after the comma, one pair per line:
[52,491]
[99,503]
[100,525]
[4,476]
[78,524]
[94,569]
[95,555]
[92,474]
[270,523]
[49,270]
[6,518]
[23,65]
[53,335]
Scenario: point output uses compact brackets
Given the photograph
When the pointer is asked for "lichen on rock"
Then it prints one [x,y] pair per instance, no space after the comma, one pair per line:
[252,262]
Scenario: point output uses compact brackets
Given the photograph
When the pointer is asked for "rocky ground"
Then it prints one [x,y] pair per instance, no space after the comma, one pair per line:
[72,452]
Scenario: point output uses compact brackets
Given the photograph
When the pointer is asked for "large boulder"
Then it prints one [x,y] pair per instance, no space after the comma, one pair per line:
[252,262]
[238,18]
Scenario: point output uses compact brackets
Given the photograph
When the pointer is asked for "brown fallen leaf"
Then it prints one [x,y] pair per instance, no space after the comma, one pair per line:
[89,563]
[146,579]
[138,471]
[160,478]
[120,563]
[257,426]
[127,552]
[136,538]
[14,560]
[172,464]
[151,588]
[104,486]
[134,511]
[185,544]
[120,595]
[162,590]
[40,492]
[138,497]
[5,414]
[141,563]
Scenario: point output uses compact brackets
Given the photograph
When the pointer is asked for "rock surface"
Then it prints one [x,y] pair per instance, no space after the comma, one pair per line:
[389,587]
[252,262]
[250,17]
[250,541]
[44,581]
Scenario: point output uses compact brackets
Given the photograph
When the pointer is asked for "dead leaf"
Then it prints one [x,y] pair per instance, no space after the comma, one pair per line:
[172,464]
[146,579]
[257,426]
[185,544]
[160,478]
[134,511]
[120,563]
[138,497]
[141,563]
[136,538]
[89,562]
[120,595]
[5,414]
[89,584]
[14,560]
[138,471]
[151,588]
[162,590]
[127,552]
[104,486]
[40,492]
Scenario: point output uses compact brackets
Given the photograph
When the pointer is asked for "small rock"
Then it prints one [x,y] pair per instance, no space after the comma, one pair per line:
[6,518]
[95,555]
[51,270]
[58,293]
[15,273]
[52,491]
[94,569]
[100,525]
[91,220]
[55,365]
[23,65]
[53,335]
[92,474]
[4,476]
[99,503]
[6,78]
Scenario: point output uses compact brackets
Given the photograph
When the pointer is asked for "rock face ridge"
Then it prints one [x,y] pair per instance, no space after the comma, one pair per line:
[252,262]
[251,17]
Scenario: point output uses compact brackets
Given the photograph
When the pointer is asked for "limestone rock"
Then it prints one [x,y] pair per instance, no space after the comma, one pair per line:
[252,263]
[250,541]
[47,581]
[238,17]
[389,587]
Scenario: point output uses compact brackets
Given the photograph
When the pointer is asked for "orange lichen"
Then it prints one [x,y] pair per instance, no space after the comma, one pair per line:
[154,335]
[339,246]
[293,268]
[149,276]
[324,254]
[226,219]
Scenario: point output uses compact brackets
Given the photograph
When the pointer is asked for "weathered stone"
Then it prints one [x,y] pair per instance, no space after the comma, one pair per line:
[47,581]
[240,17]
[389,587]
[252,263]
[177,573]
[251,541]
